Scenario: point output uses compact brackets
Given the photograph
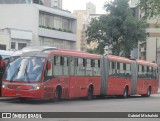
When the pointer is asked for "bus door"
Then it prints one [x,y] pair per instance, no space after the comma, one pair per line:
[134,77]
[49,81]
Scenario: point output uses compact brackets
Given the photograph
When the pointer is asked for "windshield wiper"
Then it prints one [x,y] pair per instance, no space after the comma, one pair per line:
[26,73]
[15,73]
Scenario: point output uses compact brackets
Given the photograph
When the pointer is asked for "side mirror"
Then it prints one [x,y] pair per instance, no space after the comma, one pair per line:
[48,65]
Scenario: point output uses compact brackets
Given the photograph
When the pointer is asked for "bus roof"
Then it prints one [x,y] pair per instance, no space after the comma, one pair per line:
[5,53]
[143,62]
[48,53]
[33,49]
[74,53]
[119,59]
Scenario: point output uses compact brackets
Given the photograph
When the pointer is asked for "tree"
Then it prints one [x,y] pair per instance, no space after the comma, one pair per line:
[120,29]
[150,7]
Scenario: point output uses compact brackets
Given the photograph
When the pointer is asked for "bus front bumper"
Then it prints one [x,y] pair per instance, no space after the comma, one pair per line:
[36,94]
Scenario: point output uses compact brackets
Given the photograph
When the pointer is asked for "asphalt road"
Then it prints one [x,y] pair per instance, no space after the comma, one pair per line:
[108,104]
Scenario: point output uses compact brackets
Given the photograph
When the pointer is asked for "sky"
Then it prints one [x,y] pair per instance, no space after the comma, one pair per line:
[81,5]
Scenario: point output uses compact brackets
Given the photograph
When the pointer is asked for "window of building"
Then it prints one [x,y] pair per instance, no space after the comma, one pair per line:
[54,22]
[21,45]
[13,45]
[55,43]
[2,47]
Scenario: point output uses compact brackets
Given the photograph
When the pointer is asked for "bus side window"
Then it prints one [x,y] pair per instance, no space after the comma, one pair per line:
[154,72]
[96,69]
[65,66]
[112,68]
[141,71]
[99,63]
[80,68]
[57,69]
[92,63]
[50,71]
[118,69]
[72,67]
[121,70]
[89,68]
[61,60]
[55,60]
[124,66]
[84,62]
[128,70]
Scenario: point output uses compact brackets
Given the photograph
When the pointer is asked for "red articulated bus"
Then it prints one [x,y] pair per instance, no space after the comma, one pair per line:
[64,74]
[126,77]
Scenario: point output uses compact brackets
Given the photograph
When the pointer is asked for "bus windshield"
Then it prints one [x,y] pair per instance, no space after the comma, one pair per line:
[27,69]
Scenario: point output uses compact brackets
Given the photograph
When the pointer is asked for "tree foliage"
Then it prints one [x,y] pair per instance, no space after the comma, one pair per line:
[150,7]
[119,29]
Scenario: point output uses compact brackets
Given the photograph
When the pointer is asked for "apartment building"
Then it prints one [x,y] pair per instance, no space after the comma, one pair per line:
[148,49]
[43,25]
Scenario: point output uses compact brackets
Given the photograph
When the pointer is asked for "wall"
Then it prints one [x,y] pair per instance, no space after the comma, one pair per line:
[5,39]
[20,16]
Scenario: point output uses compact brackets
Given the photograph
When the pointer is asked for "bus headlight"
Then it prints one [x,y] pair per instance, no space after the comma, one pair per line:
[36,86]
[4,85]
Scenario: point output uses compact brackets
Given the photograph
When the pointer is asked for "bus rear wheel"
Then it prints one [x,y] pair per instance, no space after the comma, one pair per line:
[57,95]
[90,93]
[148,93]
[125,93]
[22,99]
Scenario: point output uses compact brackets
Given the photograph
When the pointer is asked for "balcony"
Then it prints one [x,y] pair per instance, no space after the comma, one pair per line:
[56,34]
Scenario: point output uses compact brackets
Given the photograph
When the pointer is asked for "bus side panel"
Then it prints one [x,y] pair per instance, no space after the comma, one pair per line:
[139,86]
[146,84]
[65,86]
[96,82]
[116,85]
[156,85]
[79,86]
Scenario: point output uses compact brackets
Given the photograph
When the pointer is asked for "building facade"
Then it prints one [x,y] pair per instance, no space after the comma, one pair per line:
[83,19]
[47,26]
[53,3]
[147,50]
[14,39]
[90,8]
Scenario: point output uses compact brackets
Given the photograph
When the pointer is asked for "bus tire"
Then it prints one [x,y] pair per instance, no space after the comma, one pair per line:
[125,93]
[58,93]
[90,93]
[22,99]
[148,93]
